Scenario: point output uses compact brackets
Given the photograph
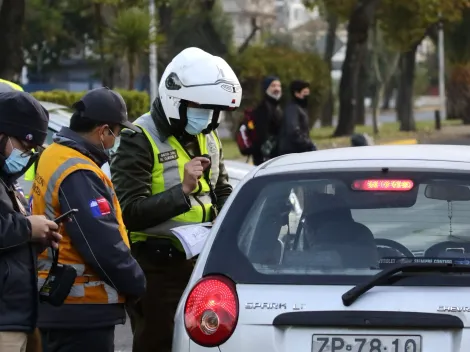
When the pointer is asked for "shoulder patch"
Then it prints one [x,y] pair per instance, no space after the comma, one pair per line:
[99,207]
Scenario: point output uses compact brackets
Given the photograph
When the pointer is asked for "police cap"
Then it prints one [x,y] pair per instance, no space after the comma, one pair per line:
[23,117]
[106,106]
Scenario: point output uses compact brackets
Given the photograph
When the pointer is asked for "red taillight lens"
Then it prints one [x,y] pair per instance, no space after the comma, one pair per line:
[211,311]
[382,185]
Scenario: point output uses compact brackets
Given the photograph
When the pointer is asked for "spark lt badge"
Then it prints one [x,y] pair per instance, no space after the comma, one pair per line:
[266,305]
[451,309]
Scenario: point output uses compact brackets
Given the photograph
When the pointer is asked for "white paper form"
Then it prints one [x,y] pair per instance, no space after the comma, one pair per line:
[192,237]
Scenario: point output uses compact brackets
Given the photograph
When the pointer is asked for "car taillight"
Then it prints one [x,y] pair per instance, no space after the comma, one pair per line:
[211,311]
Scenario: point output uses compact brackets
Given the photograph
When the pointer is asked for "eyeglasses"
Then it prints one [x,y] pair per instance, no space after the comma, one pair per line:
[26,149]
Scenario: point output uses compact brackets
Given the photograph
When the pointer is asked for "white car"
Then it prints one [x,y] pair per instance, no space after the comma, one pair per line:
[378,261]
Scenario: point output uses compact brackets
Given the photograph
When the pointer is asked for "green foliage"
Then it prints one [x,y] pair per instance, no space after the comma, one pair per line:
[188,27]
[457,40]
[405,22]
[257,62]
[137,102]
[129,32]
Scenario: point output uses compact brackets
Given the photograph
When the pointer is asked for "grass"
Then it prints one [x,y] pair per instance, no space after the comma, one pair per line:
[389,132]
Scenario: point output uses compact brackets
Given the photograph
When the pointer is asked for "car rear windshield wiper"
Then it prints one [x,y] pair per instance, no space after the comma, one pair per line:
[384,276]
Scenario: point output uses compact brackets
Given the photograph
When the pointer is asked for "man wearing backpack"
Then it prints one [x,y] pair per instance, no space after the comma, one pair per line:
[267,120]
[258,132]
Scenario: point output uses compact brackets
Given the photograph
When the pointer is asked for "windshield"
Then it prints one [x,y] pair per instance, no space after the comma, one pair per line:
[332,229]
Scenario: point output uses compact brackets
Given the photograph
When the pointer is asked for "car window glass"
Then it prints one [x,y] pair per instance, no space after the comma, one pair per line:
[49,137]
[324,227]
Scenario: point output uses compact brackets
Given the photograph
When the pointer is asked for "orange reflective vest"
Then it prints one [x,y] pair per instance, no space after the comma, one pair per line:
[56,163]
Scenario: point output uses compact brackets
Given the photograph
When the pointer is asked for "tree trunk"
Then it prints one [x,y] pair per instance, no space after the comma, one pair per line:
[388,93]
[12,14]
[329,106]
[458,93]
[360,113]
[375,105]
[131,63]
[358,30]
[405,90]
[218,46]
[99,28]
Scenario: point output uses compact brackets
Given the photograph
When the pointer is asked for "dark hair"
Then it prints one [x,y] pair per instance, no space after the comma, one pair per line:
[82,124]
[297,86]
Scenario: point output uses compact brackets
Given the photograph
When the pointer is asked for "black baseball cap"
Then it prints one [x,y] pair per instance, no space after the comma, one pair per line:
[106,106]
[23,117]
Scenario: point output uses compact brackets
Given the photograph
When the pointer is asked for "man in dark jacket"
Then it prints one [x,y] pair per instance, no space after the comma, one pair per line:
[23,126]
[295,130]
[95,243]
[267,120]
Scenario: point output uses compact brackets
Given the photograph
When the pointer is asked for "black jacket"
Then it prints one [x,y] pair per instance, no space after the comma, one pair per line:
[295,131]
[99,243]
[18,277]
[131,170]
[267,118]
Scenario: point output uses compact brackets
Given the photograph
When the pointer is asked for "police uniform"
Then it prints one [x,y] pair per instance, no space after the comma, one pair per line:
[147,171]
[95,243]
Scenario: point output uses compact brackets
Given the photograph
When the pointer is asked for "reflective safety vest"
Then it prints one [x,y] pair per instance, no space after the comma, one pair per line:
[168,171]
[13,85]
[29,176]
[56,164]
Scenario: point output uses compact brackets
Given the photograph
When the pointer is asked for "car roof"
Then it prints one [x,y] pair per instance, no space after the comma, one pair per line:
[53,106]
[236,169]
[428,155]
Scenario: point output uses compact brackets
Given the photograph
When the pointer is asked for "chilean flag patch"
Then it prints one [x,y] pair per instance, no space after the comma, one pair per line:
[100,207]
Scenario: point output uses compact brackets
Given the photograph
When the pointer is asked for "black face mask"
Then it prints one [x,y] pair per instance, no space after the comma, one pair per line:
[303,102]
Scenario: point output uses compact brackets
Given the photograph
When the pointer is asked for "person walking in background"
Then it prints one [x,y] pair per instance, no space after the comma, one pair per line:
[267,118]
[295,130]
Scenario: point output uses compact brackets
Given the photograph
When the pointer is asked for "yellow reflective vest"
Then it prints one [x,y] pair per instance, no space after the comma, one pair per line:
[56,164]
[11,84]
[168,171]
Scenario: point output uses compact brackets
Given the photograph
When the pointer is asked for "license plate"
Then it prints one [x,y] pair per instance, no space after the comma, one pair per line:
[366,343]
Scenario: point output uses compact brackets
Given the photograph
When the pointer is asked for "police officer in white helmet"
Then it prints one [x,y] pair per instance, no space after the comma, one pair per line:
[173,174]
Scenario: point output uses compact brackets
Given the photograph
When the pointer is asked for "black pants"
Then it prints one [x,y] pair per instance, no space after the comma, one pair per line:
[78,340]
[152,318]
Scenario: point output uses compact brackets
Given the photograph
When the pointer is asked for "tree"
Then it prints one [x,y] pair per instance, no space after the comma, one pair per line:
[406,24]
[129,34]
[384,64]
[457,46]
[11,22]
[360,20]
[43,30]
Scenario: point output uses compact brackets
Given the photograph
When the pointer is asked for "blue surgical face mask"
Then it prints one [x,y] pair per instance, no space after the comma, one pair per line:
[16,162]
[198,119]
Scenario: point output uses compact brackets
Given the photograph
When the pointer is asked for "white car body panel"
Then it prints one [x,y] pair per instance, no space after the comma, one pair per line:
[254,331]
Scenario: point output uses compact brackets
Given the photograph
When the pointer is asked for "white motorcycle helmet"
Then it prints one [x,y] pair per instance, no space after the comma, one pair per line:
[195,79]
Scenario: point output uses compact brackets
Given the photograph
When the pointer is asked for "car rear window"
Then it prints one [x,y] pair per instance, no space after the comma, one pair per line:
[341,228]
